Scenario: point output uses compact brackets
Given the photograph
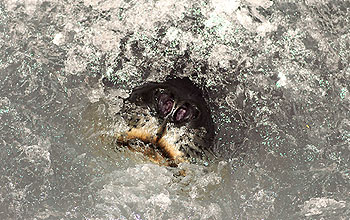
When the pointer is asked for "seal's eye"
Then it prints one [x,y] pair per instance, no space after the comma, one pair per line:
[185,112]
[165,104]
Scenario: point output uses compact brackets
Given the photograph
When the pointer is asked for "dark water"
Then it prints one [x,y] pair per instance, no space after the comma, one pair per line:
[277,75]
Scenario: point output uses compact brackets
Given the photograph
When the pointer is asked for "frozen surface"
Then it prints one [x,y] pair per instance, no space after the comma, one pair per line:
[277,71]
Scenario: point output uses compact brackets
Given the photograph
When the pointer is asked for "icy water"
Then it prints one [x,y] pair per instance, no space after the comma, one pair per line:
[277,74]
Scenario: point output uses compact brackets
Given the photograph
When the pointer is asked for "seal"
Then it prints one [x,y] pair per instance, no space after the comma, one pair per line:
[168,122]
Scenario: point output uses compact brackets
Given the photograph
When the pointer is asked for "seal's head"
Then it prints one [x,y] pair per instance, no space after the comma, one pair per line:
[170,122]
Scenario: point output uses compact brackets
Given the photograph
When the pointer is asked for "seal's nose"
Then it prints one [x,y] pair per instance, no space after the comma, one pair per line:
[178,112]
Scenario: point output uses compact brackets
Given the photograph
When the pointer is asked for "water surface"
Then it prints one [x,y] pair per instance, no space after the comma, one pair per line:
[277,75]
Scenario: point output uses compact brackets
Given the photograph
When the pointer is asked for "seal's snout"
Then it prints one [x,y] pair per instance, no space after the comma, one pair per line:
[169,122]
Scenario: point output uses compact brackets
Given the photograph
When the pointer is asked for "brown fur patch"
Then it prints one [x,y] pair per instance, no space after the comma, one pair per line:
[161,151]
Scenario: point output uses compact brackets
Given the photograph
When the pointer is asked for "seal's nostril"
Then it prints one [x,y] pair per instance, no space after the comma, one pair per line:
[181,114]
[185,113]
[165,104]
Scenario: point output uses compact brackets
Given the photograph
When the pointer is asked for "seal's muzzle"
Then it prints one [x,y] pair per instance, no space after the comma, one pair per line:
[168,122]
